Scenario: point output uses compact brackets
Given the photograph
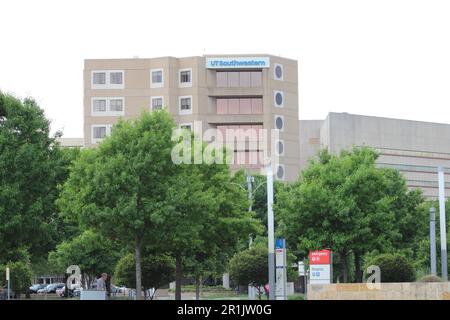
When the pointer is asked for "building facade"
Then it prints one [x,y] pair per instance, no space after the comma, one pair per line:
[415,148]
[219,92]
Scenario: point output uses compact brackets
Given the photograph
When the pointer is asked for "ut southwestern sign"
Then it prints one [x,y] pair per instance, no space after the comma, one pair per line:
[237,62]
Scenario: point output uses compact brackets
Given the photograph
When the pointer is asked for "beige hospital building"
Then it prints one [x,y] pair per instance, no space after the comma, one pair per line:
[256,91]
[222,92]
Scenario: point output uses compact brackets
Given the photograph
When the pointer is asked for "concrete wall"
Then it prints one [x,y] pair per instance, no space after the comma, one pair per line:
[387,291]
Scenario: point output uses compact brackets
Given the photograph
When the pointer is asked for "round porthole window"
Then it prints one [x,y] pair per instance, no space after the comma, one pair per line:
[280,147]
[278,72]
[279,124]
[279,99]
[280,172]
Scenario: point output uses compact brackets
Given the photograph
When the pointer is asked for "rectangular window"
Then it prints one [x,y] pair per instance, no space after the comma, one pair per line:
[256,79]
[116,105]
[107,79]
[185,77]
[99,78]
[99,132]
[244,79]
[99,105]
[238,79]
[116,78]
[156,78]
[187,126]
[239,106]
[157,103]
[186,105]
[221,79]
[108,106]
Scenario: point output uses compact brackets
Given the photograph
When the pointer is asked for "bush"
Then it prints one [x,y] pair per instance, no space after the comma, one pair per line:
[394,267]
[430,278]
[250,266]
[20,275]
[157,271]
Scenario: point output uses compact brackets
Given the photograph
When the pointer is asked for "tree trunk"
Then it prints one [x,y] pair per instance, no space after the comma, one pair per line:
[198,284]
[178,277]
[358,270]
[138,270]
[344,267]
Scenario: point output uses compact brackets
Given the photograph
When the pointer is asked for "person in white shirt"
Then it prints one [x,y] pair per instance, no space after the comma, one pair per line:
[101,282]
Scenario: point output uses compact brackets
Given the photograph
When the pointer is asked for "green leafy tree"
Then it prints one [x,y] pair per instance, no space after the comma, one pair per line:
[157,271]
[250,267]
[20,276]
[348,204]
[118,188]
[394,267]
[207,217]
[90,251]
[31,167]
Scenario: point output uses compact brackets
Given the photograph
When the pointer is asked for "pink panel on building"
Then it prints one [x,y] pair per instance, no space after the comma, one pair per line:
[244,79]
[256,79]
[222,106]
[233,106]
[257,106]
[233,79]
[222,79]
[245,106]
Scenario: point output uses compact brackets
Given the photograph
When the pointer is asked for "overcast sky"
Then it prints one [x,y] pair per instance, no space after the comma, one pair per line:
[383,58]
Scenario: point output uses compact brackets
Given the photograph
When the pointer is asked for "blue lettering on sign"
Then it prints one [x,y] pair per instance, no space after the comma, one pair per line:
[238,62]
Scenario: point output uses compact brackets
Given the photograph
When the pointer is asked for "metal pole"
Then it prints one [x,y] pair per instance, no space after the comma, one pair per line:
[250,190]
[250,180]
[433,240]
[442,224]
[270,233]
[8,278]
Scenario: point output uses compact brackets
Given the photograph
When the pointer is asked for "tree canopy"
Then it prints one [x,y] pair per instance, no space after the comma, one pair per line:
[31,167]
[346,203]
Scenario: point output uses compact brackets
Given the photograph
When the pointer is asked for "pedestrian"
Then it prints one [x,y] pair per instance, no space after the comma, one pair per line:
[101,282]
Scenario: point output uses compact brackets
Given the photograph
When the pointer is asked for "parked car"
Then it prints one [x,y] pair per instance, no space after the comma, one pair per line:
[35,287]
[51,288]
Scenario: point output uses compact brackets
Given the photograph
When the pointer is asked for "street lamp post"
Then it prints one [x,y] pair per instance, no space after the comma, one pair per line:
[442,224]
[270,233]
[433,240]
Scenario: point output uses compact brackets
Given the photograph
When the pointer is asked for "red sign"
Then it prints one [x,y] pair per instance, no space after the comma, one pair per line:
[320,257]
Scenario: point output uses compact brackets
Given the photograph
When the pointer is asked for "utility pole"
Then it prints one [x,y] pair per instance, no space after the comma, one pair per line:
[433,240]
[442,224]
[271,232]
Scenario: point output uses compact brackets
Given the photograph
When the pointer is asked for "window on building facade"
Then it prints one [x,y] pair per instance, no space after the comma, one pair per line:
[157,103]
[239,105]
[107,79]
[116,105]
[157,78]
[238,79]
[186,77]
[186,105]
[99,78]
[187,126]
[116,77]
[107,106]
[99,132]
[99,105]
